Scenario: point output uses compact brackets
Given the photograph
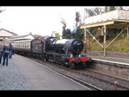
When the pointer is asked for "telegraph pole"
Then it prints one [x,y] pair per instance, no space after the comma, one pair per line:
[85,33]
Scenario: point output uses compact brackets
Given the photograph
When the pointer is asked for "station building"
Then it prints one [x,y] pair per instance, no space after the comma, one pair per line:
[5,35]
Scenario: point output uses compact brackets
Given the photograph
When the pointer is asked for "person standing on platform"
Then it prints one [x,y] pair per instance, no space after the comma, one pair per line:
[6,52]
[1,53]
[11,50]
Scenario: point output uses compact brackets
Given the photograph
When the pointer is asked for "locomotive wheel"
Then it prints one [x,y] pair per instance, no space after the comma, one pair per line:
[46,58]
[72,65]
[66,64]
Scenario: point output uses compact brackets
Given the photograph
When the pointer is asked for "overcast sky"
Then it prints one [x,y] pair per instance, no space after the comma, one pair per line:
[38,20]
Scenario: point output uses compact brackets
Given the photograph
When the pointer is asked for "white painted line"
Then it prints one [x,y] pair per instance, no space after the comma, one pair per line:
[118,58]
[122,63]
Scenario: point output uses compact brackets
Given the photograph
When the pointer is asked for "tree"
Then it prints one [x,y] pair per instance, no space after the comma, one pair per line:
[97,11]
[57,35]
[66,33]
[77,18]
[89,12]
[77,33]
[64,23]
[93,12]
[110,8]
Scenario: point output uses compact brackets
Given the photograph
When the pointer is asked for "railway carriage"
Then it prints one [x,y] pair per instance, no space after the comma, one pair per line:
[22,46]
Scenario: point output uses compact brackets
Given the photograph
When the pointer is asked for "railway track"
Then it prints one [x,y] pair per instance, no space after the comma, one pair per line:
[113,83]
[84,83]
[60,70]
[90,78]
[122,82]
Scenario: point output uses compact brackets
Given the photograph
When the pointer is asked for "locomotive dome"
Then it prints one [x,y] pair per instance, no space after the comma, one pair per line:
[63,41]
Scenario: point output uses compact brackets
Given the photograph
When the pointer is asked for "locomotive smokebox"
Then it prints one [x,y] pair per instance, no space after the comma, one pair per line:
[74,46]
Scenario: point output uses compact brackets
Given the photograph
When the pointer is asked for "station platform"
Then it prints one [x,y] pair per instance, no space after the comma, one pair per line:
[23,73]
[112,60]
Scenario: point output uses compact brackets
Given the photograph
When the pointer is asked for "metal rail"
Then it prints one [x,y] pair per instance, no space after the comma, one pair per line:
[70,76]
[116,79]
[93,87]
[93,77]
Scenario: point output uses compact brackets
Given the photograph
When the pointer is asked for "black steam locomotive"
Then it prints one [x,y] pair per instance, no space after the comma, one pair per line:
[64,51]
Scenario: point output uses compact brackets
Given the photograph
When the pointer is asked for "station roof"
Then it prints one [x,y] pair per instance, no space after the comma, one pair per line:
[22,37]
[6,33]
[112,17]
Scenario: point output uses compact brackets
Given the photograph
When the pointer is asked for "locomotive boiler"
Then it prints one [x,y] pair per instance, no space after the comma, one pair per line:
[66,46]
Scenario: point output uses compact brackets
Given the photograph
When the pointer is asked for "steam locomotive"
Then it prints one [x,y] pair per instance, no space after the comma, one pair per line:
[64,51]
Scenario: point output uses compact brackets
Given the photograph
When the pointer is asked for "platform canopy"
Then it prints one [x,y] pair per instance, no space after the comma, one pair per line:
[112,17]
[6,34]
[118,19]
[22,37]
